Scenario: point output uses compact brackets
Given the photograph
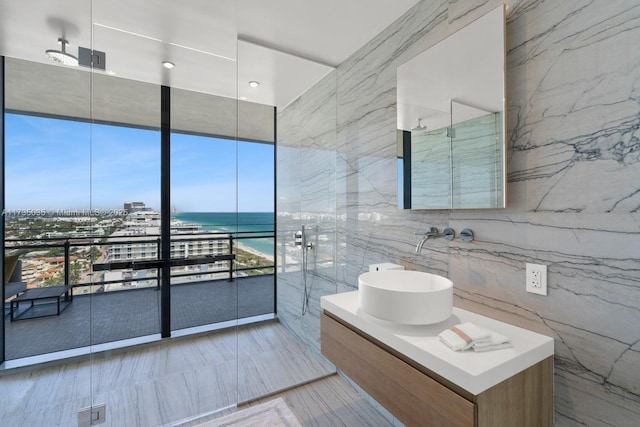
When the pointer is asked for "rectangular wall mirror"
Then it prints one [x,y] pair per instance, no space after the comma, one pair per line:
[451,122]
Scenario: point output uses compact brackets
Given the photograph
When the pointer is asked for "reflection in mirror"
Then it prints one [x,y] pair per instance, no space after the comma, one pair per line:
[476,152]
[451,127]
[431,165]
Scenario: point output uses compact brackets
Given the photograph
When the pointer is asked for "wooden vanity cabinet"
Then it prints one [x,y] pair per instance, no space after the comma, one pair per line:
[419,397]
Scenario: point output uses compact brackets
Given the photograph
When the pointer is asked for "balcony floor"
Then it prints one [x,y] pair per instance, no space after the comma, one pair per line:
[112,316]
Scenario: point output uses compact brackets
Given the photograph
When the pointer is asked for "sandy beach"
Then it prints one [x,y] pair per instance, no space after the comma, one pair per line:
[288,260]
[254,251]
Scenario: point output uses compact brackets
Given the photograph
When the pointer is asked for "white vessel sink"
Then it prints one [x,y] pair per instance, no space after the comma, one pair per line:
[406,297]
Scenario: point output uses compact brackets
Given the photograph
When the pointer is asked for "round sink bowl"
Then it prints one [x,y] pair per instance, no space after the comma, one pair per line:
[406,297]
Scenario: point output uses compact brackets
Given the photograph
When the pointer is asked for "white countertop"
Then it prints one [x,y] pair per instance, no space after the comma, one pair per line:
[474,372]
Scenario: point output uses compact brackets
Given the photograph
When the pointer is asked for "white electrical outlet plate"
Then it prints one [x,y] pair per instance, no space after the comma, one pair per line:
[536,279]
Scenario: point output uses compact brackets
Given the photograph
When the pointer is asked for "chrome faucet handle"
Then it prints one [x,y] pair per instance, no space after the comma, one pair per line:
[431,231]
[448,234]
[466,235]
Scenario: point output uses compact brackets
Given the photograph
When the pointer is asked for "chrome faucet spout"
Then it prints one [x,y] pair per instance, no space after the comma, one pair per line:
[421,243]
[431,232]
[448,234]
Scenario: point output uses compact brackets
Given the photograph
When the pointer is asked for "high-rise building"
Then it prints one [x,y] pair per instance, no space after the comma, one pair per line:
[135,207]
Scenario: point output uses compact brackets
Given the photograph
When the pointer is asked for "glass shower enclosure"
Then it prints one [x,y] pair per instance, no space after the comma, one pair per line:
[159,210]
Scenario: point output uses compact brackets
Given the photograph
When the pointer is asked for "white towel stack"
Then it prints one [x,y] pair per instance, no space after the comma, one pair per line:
[467,336]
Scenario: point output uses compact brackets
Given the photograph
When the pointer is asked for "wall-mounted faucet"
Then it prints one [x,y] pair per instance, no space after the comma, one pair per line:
[432,232]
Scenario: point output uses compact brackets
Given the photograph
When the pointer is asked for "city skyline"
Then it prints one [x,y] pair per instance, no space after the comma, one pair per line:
[62,164]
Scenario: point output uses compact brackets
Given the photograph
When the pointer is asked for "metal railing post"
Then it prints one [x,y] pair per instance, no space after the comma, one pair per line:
[231,260]
[158,250]
[67,274]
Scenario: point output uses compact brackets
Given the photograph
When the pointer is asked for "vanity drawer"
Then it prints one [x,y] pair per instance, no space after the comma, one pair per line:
[410,395]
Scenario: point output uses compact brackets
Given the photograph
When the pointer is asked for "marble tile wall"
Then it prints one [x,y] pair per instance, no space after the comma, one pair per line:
[306,198]
[573,118]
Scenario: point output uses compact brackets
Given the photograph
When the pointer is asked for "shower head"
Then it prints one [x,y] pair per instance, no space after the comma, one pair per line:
[61,55]
[420,126]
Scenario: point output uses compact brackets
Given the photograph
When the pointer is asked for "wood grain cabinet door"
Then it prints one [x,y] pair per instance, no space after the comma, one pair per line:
[410,395]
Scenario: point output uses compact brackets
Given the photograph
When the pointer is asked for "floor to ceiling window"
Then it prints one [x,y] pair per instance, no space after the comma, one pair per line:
[83,216]
[209,222]
[66,183]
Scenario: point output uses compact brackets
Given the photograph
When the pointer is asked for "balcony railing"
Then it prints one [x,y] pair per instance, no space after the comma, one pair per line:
[225,245]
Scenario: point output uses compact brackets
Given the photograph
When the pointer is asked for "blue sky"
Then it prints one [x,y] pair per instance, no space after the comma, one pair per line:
[59,164]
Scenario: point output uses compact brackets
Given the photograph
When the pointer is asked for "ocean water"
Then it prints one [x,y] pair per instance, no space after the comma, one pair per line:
[231,222]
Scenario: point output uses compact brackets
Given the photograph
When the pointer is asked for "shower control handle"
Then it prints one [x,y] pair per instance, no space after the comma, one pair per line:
[301,241]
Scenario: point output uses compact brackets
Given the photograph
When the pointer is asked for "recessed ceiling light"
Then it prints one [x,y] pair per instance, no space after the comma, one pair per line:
[167,64]
[254,83]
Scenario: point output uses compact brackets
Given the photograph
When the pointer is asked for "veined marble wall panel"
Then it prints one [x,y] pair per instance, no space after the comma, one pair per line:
[573,194]
[292,298]
[573,118]
[306,197]
[370,228]
[573,191]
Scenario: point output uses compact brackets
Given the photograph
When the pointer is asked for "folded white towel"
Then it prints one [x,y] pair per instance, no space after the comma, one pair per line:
[464,336]
[453,340]
[495,342]
[492,347]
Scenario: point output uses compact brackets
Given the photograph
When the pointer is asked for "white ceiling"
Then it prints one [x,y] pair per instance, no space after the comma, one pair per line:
[287,45]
